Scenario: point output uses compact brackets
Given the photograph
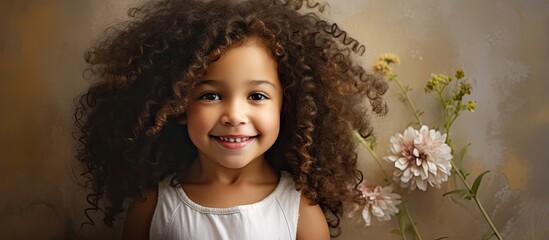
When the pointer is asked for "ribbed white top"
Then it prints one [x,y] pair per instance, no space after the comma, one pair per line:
[178,217]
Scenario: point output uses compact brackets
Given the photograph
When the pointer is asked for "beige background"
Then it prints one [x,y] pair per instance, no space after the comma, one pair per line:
[501,44]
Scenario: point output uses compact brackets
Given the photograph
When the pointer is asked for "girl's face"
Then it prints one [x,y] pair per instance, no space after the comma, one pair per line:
[233,116]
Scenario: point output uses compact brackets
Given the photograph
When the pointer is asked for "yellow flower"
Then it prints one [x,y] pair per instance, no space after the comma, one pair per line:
[471,106]
[382,65]
[383,68]
[389,58]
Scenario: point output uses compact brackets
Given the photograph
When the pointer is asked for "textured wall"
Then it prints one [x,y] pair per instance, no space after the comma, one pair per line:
[501,44]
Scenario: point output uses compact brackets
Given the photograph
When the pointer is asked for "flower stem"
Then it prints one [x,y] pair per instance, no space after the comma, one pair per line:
[407,98]
[418,119]
[412,223]
[492,226]
[477,201]
[374,155]
[449,118]
[402,228]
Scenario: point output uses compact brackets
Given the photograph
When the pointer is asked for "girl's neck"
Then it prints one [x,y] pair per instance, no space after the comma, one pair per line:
[203,171]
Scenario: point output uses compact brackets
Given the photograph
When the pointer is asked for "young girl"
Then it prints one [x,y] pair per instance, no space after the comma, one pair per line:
[225,120]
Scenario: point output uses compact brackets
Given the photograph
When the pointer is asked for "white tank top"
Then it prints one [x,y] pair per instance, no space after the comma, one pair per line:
[178,217]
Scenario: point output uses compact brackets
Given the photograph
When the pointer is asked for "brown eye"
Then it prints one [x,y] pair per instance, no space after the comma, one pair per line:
[210,97]
[257,97]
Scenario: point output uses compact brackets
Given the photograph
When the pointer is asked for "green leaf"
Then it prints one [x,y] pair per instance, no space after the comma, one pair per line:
[464,193]
[409,228]
[440,238]
[457,191]
[464,173]
[401,221]
[476,184]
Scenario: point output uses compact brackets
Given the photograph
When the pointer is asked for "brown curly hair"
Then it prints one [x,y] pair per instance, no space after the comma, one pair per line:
[143,70]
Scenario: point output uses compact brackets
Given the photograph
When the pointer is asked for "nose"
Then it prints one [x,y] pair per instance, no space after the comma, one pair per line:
[234,114]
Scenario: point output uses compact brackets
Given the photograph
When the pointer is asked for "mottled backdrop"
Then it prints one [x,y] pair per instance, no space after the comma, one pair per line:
[501,44]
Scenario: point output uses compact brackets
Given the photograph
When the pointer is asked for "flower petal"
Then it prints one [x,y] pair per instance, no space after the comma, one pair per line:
[415,152]
[425,172]
[401,164]
[392,158]
[406,175]
[418,161]
[432,167]
[366,216]
[416,171]
[421,184]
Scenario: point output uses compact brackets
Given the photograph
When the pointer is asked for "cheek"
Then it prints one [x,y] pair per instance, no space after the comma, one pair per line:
[198,122]
[270,121]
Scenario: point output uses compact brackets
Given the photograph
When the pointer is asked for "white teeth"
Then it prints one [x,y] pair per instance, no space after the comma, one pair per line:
[234,139]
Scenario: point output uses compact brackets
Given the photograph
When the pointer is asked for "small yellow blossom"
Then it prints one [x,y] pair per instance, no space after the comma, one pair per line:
[383,68]
[383,63]
[460,74]
[471,106]
[389,58]
[437,82]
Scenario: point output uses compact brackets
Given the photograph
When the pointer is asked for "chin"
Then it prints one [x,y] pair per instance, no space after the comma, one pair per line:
[235,162]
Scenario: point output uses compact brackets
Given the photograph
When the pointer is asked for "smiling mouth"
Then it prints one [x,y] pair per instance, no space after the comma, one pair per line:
[234,142]
[225,139]
[234,139]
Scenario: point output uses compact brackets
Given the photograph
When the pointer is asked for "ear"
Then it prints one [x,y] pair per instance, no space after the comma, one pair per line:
[182,119]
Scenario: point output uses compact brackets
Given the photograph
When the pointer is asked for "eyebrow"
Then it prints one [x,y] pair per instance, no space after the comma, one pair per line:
[249,83]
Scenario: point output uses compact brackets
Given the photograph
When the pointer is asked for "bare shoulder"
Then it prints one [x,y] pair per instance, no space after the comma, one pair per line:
[139,216]
[311,223]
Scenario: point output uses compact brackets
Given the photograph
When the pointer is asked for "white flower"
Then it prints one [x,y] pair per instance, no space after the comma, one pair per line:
[380,202]
[420,157]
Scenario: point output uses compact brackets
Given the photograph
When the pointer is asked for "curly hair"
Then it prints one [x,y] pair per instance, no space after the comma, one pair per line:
[143,70]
